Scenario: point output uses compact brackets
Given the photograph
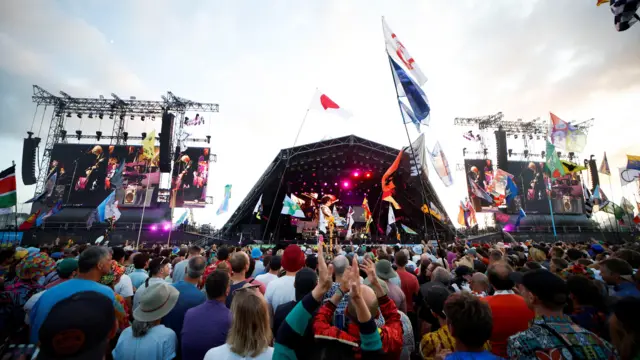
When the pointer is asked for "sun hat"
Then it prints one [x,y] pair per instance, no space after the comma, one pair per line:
[384,270]
[417,249]
[156,302]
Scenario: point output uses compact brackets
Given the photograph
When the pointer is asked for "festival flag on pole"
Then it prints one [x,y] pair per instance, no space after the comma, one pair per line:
[391,220]
[588,202]
[322,102]
[463,215]
[400,54]
[616,210]
[148,145]
[627,176]
[521,215]
[511,190]
[8,197]
[553,162]
[633,162]
[116,178]
[93,216]
[440,163]
[599,199]
[54,210]
[224,206]
[322,222]
[258,208]
[566,136]
[108,208]
[181,219]
[388,187]
[409,117]
[416,97]
[625,13]
[570,167]
[31,220]
[408,230]
[604,165]
[479,192]
[290,207]
[627,205]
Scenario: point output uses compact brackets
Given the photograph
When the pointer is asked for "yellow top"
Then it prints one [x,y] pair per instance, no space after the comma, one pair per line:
[442,339]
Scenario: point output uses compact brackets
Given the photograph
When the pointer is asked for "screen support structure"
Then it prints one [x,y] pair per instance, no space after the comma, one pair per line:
[114,109]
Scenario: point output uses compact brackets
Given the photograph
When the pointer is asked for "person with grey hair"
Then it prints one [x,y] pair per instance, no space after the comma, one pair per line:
[189,297]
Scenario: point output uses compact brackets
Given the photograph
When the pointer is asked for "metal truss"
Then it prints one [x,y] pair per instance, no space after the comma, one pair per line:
[115,109]
[533,127]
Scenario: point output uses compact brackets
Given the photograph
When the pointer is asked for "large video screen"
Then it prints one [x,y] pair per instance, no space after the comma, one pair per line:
[532,183]
[84,175]
[190,177]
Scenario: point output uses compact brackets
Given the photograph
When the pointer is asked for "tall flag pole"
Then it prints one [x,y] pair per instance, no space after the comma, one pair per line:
[148,147]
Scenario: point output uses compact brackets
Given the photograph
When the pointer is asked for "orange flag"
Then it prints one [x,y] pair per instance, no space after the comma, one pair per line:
[388,187]
[28,224]
[600,2]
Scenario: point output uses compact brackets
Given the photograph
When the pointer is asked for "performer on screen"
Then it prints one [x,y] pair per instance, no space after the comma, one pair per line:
[538,188]
[325,207]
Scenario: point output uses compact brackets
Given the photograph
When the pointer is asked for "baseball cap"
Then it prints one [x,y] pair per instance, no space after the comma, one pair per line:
[547,286]
[78,327]
[67,266]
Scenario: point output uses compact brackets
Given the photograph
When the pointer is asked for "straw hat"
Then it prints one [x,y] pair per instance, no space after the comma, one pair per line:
[156,302]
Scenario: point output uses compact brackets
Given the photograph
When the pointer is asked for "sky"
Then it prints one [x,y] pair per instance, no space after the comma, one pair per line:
[263,60]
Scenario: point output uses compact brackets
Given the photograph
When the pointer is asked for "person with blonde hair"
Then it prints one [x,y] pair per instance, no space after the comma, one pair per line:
[250,333]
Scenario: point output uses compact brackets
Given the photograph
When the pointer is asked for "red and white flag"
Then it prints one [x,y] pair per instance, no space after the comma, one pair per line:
[322,102]
[401,55]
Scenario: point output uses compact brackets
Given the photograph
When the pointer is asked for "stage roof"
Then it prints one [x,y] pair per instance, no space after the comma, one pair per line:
[324,167]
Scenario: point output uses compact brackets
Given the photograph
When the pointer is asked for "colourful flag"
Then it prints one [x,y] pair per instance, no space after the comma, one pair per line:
[599,199]
[388,187]
[224,206]
[462,218]
[521,215]
[627,205]
[627,176]
[511,190]
[553,162]
[479,192]
[54,210]
[391,220]
[471,218]
[440,163]
[148,145]
[570,167]
[615,209]
[93,216]
[367,214]
[8,197]
[633,162]
[600,2]
[566,136]
[290,207]
[108,208]
[416,97]
[323,103]
[408,117]
[400,54]
[181,219]
[258,208]
[31,220]
[408,230]
[604,165]
[116,178]
[349,222]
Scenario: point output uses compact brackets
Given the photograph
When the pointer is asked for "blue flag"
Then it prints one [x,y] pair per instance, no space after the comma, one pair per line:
[182,218]
[105,205]
[511,190]
[116,178]
[408,116]
[521,214]
[417,98]
[54,210]
[224,207]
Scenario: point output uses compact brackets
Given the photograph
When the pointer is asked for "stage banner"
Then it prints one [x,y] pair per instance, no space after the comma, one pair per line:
[440,163]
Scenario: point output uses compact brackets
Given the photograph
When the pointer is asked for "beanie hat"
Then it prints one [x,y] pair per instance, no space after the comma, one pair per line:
[293,258]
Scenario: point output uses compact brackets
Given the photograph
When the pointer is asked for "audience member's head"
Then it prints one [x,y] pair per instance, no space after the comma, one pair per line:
[531,265]
[275,263]
[195,250]
[293,259]
[160,267]
[239,262]
[624,327]
[556,265]
[499,275]
[614,271]
[306,279]
[479,283]
[584,292]
[96,259]
[340,265]
[223,253]
[67,268]
[435,298]
[217,285]
[544,290]
[155,303]
[311,262]
[140,260]
[557,252]
[369,297]
[495,255]
[574,254]
[469,320]
[118,254]
[441,275]
[250,333]
[402,259]
[195,267]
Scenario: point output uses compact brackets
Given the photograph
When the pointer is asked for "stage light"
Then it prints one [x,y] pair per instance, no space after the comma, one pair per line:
[571,155]
[90,115]
[485,151]
[154,227]
[79,115]
[63,134]
[111,116]
[208,139]
[68,114]
[58,113]
[526,153]
[304,183]
[144,135]
[367,175]
[98,134]
[166,226]
[100,115]
[125,136]
[478,137]
[132,117]
[510,152]
[559,154]
[335,184]
[142,118]
[121,117]
[153,118]
[356,174]
[325,184]
[314,174]
[530,137]
[346,184]
[79,134]
[515,136]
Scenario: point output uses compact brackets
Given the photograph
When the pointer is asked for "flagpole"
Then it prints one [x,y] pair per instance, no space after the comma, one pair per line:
[171,229]
[144,204]
[553,221]
[15,216]
[284,172]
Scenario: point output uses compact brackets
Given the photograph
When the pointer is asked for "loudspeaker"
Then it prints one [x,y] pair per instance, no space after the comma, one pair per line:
[29,159]
[165,142]
[501,149]
[593,172]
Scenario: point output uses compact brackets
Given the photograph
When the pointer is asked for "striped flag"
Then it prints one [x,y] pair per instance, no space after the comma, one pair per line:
[604,165]
[31,220]
[588,203]
[8,197]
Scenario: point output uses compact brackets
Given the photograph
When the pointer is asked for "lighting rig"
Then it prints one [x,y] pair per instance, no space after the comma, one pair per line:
[116,110]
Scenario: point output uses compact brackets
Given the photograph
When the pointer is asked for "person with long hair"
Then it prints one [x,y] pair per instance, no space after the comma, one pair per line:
[250,333]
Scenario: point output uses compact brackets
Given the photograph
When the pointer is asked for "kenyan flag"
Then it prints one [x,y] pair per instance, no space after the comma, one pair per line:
[8,197]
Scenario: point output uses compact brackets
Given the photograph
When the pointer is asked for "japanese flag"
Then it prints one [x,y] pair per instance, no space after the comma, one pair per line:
[322,102]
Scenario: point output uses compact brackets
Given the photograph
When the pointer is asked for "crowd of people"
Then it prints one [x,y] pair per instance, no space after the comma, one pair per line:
[460,301]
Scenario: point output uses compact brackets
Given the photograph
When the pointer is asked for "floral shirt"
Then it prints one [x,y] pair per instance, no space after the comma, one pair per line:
[439,339]
[558,338]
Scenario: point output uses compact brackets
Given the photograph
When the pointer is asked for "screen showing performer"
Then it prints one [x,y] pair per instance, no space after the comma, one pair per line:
[190,177]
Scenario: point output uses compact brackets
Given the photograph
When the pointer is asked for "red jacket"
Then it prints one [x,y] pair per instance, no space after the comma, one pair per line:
[390,333]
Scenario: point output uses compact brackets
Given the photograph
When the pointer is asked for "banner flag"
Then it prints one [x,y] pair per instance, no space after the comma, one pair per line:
[400,54]
[224,206]
[415,95]
[440,163]
[8,197]
[604,165]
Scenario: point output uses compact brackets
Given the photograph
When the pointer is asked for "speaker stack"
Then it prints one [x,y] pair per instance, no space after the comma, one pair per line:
[29,149]
[501,149]
[165,142]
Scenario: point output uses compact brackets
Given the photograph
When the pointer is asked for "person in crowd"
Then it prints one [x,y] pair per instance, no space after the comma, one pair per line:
[531,265]
[190,296]
[409,285]
[374,298]
[340,268]
[463,274]
[552,334]
[423,268]
[509,310]
[385,272]
[159,269]
[195,341]
[239,267]
[558,265]
[250,334]
[479,284]
[250,279]
[180,268]
[78,327]
[574,255]
[469,322]
[272,274]
[66,269]
[495,256]
[288,341]
[129,267]
[624,327]
[139,274]
[123,286]
[619,274]
[93,263]
[306,280]
[121,306]
[147,338]
[586,305]
[311,262]
[256,255]
[441,338]
[222,255]
[281,290]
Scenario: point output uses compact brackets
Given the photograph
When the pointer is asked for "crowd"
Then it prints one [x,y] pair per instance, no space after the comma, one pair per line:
[460,301]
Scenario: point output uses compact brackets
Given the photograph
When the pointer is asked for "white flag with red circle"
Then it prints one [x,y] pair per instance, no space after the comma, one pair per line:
[322,102]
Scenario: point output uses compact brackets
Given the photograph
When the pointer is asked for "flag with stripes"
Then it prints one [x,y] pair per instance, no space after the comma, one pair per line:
[8,196]
[588,204]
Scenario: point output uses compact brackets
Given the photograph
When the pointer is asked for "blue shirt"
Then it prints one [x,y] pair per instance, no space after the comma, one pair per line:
[205,326]
[626,288]
[189,297]
[179,270]
[60,292]
[138,276]
[460,355]
[158,344]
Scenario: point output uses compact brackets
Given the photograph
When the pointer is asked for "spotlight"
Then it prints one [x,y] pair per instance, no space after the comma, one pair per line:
[335,184]
[125,136]
[141,118]
[79,134]
[208,139]
[571,155]
[356,174]
[98,134]
[166,226]
[325,184]
[464,151]
[68,114]
[510,152]
[153,118]
[154,227]
[132,117]
[79,115]
[90,115]
[144,135]
[478,137]
[63,134]
[530,137]
[367,175]
[485,151]
[100,115]
[346,184]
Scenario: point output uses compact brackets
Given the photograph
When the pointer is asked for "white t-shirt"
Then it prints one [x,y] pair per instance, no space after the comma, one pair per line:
[223,352]
[280,291]
[29,305]
[124,287]
[266,278]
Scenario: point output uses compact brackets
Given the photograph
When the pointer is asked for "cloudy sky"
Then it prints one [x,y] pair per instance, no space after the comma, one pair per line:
[262,60]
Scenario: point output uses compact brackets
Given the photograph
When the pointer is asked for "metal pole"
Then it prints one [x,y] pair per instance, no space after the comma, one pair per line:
[75,167]
[144,204]
[553,222]
[15,216]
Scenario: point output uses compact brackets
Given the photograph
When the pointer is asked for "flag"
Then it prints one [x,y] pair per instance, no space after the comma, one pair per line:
[398,52]
[36,198]
[116,178]
[627,176]
[93,216]
[463,215]
[181,219]
[8,197]
[408,117]
[108,208]
[521,215]
[511,190]
[599,199]
[28,224]
[588,202]
[624,13]
[322,102]
[224,206]
[391,220]
[54,210]
[419,162]
[322,222]
[615,209]
[566,136]
[367,214]
[408,230]
[471,218]
[416,97]
[290,207]
[388,187]
[440,163]
[633,162]
[627,205]
[570,167]
[600,2]
[51,184]
[148,145]
[479,192]
[604,165]
[553,162]
[258,208]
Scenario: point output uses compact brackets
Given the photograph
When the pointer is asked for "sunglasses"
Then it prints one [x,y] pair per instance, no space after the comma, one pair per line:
[245,288]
